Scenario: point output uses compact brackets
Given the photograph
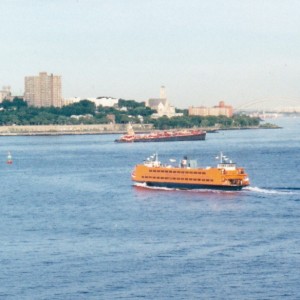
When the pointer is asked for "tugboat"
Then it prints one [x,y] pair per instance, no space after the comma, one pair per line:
[225,176]
[162,136]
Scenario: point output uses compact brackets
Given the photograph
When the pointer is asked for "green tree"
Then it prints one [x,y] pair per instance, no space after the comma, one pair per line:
[130,103]
[79,108]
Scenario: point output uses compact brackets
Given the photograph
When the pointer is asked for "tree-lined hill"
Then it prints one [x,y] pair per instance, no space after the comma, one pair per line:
[17,112]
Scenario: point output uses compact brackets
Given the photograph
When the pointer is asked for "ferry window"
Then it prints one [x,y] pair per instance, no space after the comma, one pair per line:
[150,170]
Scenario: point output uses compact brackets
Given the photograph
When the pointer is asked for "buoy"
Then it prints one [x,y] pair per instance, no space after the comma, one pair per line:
[9,160]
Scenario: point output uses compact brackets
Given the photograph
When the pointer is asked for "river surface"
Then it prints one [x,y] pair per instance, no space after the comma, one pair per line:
[73,226]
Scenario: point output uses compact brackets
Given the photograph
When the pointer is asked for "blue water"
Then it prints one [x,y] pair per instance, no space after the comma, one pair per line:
[73,226]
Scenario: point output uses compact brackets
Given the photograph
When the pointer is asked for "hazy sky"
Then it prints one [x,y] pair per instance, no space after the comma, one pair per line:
[202,51]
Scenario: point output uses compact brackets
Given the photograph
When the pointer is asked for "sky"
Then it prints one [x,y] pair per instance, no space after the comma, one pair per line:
[238,51]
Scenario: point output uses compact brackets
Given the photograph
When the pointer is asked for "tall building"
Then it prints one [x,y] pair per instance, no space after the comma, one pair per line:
[43,90]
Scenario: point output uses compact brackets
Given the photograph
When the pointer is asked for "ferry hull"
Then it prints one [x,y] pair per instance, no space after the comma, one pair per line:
[183,186]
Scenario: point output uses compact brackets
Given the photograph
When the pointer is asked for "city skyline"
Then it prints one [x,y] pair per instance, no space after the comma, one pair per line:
[203,52]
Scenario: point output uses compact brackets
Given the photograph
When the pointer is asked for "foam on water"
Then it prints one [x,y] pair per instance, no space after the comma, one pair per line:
[278,191]
[144,185]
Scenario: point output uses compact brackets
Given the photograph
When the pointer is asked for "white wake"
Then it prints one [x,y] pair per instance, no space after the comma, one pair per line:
[256,189]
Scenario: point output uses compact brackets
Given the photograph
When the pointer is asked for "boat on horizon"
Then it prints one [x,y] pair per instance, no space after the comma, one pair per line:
[162,136]
[187,175]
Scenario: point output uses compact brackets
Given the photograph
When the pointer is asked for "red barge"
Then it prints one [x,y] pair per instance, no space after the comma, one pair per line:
[163,136]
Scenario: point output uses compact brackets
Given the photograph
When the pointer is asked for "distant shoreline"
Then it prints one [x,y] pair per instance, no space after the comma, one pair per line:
[49,130]
[97,129]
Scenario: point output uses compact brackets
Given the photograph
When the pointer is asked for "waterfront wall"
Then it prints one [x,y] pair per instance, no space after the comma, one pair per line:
[71,129]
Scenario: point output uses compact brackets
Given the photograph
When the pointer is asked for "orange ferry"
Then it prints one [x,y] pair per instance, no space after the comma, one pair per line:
[225,176]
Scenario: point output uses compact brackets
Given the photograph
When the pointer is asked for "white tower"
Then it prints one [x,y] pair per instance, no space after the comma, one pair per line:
[162,92]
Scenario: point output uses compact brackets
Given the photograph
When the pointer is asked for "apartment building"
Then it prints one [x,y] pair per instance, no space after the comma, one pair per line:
[43,90]
[5,93]
[218,110]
